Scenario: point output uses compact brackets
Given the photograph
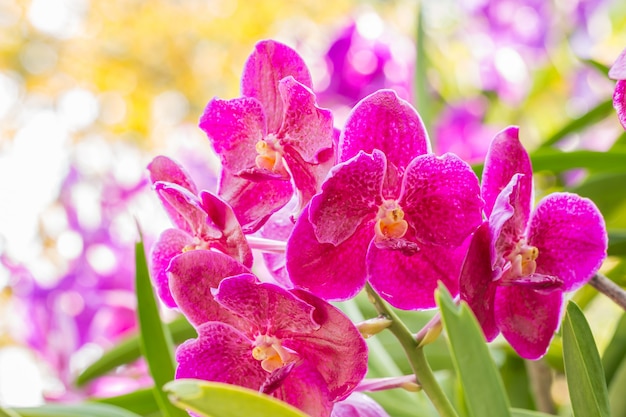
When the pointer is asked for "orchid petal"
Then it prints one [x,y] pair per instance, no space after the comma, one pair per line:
[221,353]
[441,199]
[570,234]
[329,271]
[170,243]
[384,121]
[234,127]
[409,282]
[618,69]
[306,127]
[336,341]
[233,242]
[505,158]
[619,101]
[192,275]
[507,224]
[269,63]
[350,196]
[165,169]
[269,308]
[476,281]
[305,389]
[358,405]
[527,318]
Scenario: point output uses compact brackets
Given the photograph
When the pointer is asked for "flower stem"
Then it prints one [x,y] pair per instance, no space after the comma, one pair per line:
[609,288]
[416,356]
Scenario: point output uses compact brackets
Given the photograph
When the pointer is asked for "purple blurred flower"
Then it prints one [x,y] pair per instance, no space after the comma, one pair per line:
[390,212]
[285,343]
[618,72]
[519,263]
[271,135]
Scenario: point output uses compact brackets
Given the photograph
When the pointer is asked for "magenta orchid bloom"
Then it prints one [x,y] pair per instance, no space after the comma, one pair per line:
[390,212]
[270,136]
[286,343]
[618,72]
[519,262]
[202,220]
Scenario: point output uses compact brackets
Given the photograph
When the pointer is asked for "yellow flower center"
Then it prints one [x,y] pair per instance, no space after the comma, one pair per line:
[390,222]
[271,353]
[269,157]
[523,260]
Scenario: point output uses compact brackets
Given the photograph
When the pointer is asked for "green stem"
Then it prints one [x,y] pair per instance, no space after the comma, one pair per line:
[416,356]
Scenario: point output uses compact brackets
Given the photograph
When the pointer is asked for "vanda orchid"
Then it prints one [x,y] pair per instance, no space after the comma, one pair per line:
[520,262]
[618,72]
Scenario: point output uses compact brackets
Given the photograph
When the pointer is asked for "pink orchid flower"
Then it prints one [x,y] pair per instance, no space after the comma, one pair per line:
[519,263]
[618,72]
[391,212]
[286,343]
[271,136]
[202,220]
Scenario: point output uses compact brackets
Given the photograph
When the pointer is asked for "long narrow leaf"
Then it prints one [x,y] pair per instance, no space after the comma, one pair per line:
[214,399]
[156,343]
[583,369]
[615,351]
[129,350]
[77,410]
[142,401]
[617,399]
[482,386]
[518,412]
[8,413]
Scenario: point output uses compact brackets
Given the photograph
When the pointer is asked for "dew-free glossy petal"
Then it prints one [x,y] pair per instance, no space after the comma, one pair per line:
[384,121]
[476,281]
[221,353]
[409,282]
[269,63]
[337,341]
[170,243]
[505,158]
[350,196]
[619,101]
[527,318]
[192,275]
[570,234]
[441,199]
[330,272]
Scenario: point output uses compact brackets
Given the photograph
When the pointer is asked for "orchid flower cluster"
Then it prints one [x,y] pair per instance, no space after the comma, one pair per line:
[333,211]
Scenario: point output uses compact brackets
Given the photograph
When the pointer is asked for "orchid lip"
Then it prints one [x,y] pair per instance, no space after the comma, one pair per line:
[390,222]
[272,355]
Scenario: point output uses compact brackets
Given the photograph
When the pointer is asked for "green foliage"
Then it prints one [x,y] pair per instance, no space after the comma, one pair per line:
[75,410]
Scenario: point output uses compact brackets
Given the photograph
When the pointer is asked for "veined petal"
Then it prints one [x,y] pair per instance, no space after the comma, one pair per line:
[171,242]
[528,318]
[306,127]
[507,221]
[441,199]
[269,63]
[221,353]
[409,282]
[165,169]
[233,241]
[337,341]
[619,101]
[358,405]
[330,272]
[618,69]
[234,127]
[570,234]
[269,308]
[476,281]
[505,158]
[192,275]
[384,121]
[350,196]
[305,389]
[254,202]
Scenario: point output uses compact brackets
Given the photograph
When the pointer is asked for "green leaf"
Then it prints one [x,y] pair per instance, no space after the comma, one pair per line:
[583,369]
[156,343]
[615,351]
[76,410]
[5,412]
[617,399]
[129,350]
[617,243]
[517,412]
[142,401]
[215,399]
[483,388]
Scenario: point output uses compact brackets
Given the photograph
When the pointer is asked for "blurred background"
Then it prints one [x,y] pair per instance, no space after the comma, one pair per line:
[92,90]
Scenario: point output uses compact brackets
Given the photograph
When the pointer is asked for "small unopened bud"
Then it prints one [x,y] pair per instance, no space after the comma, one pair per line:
[371,327]
[431,335]
[411,386]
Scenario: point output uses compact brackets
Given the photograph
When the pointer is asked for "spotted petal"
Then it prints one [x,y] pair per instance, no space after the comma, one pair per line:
[171,242]
[507,224]
[570,234]
[269,63]
[441,199]
[505,158]
[385,122]
[619,101]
